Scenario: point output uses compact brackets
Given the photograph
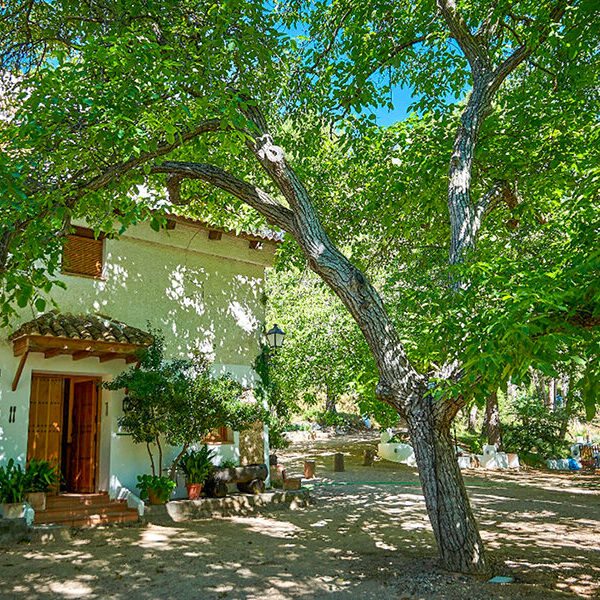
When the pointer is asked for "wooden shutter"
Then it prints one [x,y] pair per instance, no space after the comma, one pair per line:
[83,254]
[217,436]
[81,476]
[44,439]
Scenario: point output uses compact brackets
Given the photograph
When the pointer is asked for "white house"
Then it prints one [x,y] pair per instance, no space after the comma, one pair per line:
[202,287]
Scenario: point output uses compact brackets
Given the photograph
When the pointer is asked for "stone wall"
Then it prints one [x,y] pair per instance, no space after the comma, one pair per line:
[252,445]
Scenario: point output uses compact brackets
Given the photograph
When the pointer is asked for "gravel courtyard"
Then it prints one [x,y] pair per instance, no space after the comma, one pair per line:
[365,536]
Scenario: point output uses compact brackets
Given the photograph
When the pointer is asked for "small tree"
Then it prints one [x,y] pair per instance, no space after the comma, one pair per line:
[177,402]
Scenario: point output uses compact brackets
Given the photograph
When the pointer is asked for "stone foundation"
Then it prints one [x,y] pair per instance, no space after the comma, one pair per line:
[236,505]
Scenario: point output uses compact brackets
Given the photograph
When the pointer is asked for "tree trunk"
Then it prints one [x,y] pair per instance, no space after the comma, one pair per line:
[552,393]
[566,406]
[151,458]
[330,401]
[400,384]
[493,424]
[472,421]
[454,525]
[173,469]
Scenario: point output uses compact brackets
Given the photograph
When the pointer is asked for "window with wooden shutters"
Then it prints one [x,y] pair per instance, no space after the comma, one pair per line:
[83,253]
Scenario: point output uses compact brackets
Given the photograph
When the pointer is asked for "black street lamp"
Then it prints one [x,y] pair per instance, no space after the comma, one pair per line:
[275,337]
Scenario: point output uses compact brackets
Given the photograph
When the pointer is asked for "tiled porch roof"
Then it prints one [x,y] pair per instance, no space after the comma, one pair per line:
[80,336]
[83,327]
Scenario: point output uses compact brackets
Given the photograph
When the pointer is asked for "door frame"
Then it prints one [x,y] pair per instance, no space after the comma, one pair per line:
[79,378]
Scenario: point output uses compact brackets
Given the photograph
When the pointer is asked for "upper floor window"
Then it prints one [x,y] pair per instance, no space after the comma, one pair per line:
[83,253]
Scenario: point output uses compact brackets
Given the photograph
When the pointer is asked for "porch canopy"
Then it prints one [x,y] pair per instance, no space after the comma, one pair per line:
[81,336]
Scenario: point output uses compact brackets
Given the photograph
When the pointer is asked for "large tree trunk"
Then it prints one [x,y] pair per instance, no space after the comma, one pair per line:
[454,526]
[400,384]
[492,418]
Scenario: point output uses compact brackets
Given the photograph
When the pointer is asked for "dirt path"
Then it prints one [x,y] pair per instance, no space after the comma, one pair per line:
[363,540]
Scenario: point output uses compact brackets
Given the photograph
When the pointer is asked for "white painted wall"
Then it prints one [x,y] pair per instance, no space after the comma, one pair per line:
[205,295]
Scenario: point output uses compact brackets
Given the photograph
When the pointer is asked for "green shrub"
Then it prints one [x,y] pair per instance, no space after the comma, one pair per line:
[196,465]
[41,476]
[534,430]
[13,483]
[160,486]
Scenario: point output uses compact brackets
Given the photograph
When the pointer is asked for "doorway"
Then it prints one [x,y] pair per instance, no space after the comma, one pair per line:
[64,426]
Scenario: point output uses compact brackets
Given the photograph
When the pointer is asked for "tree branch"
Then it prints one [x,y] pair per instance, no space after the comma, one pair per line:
[499,191]
[275,213]
[163,148]
[524,51]
[475,52]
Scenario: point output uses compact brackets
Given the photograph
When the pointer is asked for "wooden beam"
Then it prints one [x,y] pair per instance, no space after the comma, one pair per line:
[110,356]
[131,359]
[41,343]
[82,354]
[20,346]
[22,362]
[53,352]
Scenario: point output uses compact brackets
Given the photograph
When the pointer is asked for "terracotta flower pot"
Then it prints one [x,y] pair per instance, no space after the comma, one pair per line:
[193,490]
[154,498]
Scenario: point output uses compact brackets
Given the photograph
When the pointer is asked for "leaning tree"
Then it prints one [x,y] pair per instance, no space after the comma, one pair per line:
[104,97]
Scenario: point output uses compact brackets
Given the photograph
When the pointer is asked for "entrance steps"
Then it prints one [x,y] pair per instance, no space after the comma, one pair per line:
[84,510]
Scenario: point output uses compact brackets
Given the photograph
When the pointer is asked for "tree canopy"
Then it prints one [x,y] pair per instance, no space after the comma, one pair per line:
[475,218]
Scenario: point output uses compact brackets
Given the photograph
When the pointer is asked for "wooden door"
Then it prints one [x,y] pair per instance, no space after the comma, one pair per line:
[44,439]
[81,472]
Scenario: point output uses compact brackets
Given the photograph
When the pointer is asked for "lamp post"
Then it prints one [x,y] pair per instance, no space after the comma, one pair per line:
[275,337]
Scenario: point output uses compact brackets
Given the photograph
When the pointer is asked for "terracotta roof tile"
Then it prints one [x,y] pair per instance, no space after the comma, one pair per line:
[83,327]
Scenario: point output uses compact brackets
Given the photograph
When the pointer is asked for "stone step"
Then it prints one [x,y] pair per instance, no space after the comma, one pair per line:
[128,516]
[76,500]
[48,515]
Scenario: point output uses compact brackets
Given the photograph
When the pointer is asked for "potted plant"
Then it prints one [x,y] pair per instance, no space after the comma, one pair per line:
[12,490]
[154,488]
[196,465]
[40,477]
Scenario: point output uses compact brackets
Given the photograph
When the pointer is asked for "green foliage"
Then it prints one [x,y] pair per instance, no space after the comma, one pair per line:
[97,105]
[161,487]
[41,476]
[228,464]
[179,402]
[327,418]
[324,351]
[196,465]
[13,483]
[535,429]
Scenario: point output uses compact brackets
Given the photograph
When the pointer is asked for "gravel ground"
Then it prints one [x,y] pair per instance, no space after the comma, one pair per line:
[366,536]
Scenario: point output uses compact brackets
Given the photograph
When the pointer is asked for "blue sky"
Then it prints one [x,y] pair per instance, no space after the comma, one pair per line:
[402,99]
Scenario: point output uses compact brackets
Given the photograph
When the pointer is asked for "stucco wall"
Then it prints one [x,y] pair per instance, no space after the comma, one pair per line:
[202,294]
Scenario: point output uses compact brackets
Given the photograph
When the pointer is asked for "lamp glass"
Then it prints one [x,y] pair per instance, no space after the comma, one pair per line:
[275,337]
